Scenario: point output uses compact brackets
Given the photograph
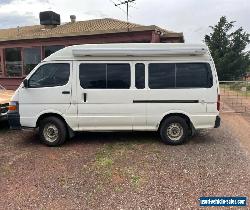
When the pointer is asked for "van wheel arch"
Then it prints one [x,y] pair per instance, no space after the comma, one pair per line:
[70,132]
[185,117]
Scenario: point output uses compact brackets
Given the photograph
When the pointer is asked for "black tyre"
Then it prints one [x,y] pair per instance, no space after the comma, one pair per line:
[52,131]
[174,130]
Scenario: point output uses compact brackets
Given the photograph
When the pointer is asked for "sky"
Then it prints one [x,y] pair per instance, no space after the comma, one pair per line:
[192,17]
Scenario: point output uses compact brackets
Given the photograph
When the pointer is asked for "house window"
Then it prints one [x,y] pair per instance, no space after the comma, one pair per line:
[31,57]
[13,62]
[48,50]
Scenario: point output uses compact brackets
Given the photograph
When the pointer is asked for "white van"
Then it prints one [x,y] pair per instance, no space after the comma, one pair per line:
[170,88]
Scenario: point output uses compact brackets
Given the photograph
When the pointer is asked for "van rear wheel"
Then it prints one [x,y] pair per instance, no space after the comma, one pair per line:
[52,131]
[174,130]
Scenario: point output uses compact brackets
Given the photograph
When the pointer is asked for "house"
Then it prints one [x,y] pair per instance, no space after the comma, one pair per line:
[22,48]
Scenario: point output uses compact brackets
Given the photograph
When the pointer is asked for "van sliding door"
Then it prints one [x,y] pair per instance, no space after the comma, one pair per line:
[103,95]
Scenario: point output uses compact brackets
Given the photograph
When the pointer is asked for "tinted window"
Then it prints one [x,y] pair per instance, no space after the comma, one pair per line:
[100,76]
[140,76]
[118,76]
[49,75]
[161,75]
[193,75]
[93,76]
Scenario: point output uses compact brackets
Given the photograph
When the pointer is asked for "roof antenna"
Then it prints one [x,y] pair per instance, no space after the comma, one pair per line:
[127,4]
[18,30]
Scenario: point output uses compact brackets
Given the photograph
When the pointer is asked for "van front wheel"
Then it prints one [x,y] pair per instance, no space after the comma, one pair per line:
[174,130]
[52,131]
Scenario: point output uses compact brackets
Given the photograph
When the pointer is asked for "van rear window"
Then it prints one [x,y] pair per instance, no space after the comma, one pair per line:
[180,75]
[197,75]
[105,76]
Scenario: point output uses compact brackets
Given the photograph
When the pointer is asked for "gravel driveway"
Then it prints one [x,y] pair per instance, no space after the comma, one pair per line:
[121,171]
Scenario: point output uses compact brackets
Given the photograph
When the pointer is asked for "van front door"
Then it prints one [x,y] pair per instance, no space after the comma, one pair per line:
[49,91]
[104,97]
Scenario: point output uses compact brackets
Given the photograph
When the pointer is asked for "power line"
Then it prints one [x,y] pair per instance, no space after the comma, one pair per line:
[133,4]
[127,2]
[118,6]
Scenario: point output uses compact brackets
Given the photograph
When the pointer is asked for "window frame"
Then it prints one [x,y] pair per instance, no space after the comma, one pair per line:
[106,62]
[51,62]
[211,73]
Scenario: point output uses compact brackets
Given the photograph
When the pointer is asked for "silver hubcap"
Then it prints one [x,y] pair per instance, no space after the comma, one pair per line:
[50,132]
[174,131]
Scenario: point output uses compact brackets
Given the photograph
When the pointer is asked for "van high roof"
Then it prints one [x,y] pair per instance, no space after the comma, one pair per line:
[124,50]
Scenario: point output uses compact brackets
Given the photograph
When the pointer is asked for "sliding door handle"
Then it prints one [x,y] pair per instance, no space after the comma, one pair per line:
[85,97]
[66,92]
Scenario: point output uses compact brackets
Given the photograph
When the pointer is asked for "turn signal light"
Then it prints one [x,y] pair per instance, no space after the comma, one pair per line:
[12,106]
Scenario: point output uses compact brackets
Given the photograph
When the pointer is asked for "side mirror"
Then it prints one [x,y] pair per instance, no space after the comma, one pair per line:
[25,83]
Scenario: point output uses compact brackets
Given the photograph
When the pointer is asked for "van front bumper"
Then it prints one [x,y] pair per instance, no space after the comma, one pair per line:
[14,120]
[217,122]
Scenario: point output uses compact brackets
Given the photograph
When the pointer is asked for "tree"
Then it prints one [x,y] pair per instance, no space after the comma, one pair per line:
[227,48]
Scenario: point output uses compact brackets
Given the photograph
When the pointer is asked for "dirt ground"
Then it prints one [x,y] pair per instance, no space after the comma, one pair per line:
[125,170]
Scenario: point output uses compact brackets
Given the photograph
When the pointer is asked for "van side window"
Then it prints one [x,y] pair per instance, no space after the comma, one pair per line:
[105,76]
[50,75]
[180,75]
[193,75]
[140,75]
[118,76]
[161,75]
[93,76]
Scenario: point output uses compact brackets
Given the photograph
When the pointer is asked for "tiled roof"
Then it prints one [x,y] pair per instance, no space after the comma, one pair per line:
[89,27]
